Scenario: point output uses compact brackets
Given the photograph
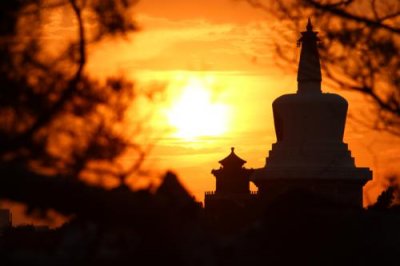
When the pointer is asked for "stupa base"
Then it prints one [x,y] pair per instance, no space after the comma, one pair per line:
[345,188]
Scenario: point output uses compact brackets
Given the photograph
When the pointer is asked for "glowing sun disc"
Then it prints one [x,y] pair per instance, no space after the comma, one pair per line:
[195,115]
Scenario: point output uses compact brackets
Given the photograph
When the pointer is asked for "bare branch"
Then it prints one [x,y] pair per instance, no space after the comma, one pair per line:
[347,15]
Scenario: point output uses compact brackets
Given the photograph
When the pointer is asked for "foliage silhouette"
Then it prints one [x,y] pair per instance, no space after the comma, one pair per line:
[385,199]
[58,125]
[56,121]
[388,200]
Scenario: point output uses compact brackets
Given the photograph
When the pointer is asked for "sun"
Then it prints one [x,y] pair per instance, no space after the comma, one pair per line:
[195,114]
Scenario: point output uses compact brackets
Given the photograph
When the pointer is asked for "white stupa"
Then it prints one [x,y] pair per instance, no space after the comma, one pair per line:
[309,152]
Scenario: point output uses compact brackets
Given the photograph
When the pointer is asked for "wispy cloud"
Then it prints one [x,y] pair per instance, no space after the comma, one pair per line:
[195,44]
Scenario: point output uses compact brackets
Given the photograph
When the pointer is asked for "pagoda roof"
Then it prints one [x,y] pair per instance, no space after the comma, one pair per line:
[232,159]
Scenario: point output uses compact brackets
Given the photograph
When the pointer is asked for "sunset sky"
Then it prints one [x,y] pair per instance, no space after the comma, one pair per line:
[215,60]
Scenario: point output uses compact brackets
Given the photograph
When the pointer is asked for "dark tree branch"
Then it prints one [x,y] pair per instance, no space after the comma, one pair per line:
[347,15]
[65,96]
[72,84]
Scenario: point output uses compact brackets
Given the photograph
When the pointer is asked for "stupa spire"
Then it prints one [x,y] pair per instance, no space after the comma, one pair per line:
[309,25]
[309,72]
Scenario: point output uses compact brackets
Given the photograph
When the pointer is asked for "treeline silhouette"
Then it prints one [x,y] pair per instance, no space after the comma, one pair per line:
[121,227]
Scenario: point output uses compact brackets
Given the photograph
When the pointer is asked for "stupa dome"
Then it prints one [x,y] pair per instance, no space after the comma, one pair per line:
[312,117]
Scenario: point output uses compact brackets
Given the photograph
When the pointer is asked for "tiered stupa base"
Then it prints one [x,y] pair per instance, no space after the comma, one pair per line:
[325,169]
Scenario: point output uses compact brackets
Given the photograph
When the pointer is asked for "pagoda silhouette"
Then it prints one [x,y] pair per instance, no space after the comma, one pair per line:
[309,154]
[232,197]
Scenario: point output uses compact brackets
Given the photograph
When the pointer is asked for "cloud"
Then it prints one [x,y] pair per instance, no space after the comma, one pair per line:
[197,44]
[215,11]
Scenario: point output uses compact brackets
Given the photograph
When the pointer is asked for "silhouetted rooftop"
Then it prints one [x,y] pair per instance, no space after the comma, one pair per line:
[232,159]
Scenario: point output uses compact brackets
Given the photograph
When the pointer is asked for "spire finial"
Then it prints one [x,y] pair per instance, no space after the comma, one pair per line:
[309,25]
[309,72]
[232,149]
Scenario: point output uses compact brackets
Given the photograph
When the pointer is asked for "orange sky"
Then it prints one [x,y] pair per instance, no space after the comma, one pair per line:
[225,48]
[231,43]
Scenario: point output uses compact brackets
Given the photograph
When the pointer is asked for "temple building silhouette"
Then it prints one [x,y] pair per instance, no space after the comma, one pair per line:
[232,197]
[232,177]
[309,154]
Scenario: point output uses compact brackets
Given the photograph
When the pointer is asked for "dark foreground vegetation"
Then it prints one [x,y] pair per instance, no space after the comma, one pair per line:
[168,226]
